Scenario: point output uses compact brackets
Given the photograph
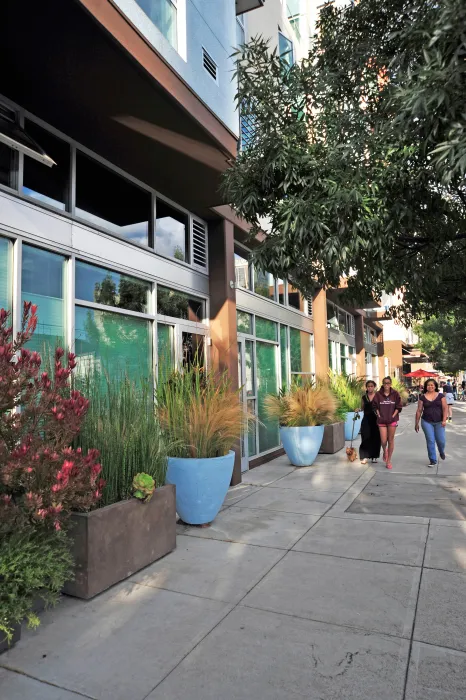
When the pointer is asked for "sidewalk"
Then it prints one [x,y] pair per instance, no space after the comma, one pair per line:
[287,596]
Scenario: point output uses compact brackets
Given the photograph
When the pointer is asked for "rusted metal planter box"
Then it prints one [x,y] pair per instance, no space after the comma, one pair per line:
[112,543]
[334,438]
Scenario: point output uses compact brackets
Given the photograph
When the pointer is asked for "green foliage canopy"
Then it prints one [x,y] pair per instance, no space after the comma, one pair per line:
[444,340]
[358,156]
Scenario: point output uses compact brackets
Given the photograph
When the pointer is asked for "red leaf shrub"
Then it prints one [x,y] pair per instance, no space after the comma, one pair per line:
[42,479]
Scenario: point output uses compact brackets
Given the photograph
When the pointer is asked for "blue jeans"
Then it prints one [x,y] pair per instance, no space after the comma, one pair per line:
[435,433]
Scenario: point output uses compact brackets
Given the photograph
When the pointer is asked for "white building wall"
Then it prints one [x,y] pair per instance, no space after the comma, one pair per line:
[209,24]
[272,18]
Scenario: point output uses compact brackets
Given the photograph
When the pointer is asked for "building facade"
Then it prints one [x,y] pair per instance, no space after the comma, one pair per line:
[112,145]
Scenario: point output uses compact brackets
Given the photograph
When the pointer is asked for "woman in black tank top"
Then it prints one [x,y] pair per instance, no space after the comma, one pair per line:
[432,406]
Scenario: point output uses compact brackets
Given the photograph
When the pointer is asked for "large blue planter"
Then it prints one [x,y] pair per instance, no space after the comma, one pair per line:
[349,430]
[201,486]
[302,445]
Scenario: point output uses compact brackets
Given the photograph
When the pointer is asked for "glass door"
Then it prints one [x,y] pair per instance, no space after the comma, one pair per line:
[248,397]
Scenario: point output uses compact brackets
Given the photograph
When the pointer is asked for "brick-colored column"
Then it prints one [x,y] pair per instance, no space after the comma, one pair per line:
[319,312]
[224,348]
[360,352]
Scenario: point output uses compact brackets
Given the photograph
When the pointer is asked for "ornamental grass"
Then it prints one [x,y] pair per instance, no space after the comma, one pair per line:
[122,423]
[301,406]
[200,413]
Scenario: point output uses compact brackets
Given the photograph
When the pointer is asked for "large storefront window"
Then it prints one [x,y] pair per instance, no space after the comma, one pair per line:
[42,283]
[5,274]
[165,351]
[267,383]
[111,288]
[300,355]
[265,329]
[112,343]
[244,322]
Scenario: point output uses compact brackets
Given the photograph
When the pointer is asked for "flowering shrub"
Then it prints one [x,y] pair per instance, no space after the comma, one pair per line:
[42,478]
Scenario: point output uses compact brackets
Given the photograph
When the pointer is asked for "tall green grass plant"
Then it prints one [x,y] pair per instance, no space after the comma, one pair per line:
[347,390]
[122,424]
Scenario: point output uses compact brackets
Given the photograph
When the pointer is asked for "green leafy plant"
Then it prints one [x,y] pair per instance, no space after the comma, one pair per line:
[347,390]
[200,414]
[401,389]
[143,487]
[34,563]
[301,406]
[121,420]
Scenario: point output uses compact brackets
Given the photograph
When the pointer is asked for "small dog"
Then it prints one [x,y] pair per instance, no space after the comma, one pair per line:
[351,454]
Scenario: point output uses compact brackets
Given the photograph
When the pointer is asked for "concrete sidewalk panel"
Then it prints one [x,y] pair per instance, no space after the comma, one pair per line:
[117,646]
[291,500]
[436,674]
[446,548]
[16,686]
[266,528]
[394,543]
[210,569]
[316,480]
[441,612]
[254,655]
[369,595]
[266,474]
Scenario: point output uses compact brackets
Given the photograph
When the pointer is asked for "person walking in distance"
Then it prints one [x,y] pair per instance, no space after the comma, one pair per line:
[387,405]
[432,411]
[370,434]
[450,399]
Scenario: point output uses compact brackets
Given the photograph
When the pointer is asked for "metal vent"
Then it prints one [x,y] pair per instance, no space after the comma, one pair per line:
[209,64]
[309,305]
[199,244]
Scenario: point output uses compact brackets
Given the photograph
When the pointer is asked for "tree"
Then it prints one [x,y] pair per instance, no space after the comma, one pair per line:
[444,340]
[348,162]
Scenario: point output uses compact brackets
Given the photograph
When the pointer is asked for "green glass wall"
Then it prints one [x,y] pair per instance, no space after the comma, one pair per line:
[244,322]
[283,356]
[42,283]
[265,329]
[112,343]
[267,383]
[5,274]
[165,350]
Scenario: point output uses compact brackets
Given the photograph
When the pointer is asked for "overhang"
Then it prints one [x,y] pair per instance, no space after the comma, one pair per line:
[82,68]
[247,5]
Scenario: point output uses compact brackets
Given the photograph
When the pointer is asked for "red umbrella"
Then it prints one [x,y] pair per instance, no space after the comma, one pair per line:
[421,373]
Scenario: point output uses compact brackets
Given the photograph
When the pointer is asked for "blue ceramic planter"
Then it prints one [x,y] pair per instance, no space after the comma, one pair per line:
[201,486]
[302,445]
[349,425]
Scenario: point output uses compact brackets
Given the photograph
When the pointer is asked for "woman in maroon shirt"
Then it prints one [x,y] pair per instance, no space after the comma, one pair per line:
[387,406]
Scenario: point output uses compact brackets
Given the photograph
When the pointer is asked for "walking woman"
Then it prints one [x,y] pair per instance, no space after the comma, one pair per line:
[387,404]
[433,408]
[370,434]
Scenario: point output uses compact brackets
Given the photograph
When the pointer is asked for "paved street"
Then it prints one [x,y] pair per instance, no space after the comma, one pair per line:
[336,581]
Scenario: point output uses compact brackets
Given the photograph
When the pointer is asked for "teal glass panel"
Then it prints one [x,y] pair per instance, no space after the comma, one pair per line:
[265,329]
[252,431]
[283,354]
[110,288]
[5,274]
[295,350]
[267,383]
[244,322]
[42,283]
[114,344]
[165,351]
[163,14]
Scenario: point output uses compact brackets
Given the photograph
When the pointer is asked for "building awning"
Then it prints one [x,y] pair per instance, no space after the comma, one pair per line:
[17,138]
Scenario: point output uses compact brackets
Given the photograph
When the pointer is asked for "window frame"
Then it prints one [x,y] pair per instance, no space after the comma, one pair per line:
[70,207]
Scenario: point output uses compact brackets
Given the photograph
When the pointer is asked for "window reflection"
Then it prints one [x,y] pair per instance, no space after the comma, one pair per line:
[44,183]
[179,305]
[264,284]
[171,232]
[110,288]
[108,200]
[242,272]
